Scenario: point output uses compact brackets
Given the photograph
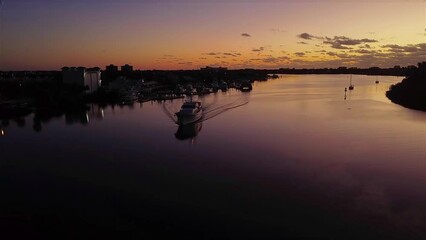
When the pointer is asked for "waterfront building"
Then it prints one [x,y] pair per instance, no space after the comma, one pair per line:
[88,77]
[127,68]
[92,79]
[111,68]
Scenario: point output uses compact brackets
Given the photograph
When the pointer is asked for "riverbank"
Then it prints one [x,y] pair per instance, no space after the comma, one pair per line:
[411,91]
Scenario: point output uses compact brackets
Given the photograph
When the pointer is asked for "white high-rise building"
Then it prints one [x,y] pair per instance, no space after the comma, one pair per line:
[88,77]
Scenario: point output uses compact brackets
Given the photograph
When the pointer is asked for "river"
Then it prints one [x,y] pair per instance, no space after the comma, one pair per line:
[297,157]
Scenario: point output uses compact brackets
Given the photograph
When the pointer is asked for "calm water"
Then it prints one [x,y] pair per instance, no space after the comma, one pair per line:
[293,158]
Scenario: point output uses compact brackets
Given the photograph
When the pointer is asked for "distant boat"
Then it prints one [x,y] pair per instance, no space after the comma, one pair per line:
[351,86]
[190,112]
[246,87]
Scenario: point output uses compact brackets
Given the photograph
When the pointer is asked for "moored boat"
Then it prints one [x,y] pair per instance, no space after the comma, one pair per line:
[351,86]
[246,87]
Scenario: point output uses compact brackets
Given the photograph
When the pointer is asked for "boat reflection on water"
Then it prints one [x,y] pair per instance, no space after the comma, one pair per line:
[188,131]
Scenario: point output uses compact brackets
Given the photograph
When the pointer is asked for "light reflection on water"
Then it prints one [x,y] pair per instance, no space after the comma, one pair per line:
[292,158]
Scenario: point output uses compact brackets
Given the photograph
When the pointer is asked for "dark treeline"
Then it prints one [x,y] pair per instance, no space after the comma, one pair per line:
[411,91]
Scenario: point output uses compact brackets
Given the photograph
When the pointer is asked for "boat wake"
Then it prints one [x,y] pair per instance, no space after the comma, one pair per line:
[211,109]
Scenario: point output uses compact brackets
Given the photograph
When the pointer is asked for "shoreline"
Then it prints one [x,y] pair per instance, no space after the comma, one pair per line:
[411,91]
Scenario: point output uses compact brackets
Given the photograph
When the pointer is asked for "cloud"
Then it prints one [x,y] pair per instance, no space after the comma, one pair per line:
[276,59]
[302,43]
[342,42]
[211,53]
[410,48]
[339,55]
[232,54]
[364,51]
[337,45]
[337,42]
[386,56]
[307,36]
[258,49]
[245,35]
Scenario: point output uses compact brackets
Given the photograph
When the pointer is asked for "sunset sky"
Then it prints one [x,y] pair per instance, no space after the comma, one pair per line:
[189,34]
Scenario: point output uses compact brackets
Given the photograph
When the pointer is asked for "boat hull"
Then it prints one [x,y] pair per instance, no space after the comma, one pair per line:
[183,119]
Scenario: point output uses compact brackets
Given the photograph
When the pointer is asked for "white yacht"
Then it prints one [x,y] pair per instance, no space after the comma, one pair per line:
[190,112]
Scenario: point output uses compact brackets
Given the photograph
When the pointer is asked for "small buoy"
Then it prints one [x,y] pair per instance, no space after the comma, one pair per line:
[346,89]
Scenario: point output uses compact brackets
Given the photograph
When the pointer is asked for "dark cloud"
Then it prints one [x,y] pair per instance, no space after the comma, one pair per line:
[232,54]
[339,46]
[410,48]
[364,51]
[392,55]
[389,56]
[302,43]
[299,54]
[307,36]
[271,59]
[339,55]
[258,49]
[245,35]
[212,53]
[342,42]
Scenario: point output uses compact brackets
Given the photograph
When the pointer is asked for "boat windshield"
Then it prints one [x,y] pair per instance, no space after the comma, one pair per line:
[190,105]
